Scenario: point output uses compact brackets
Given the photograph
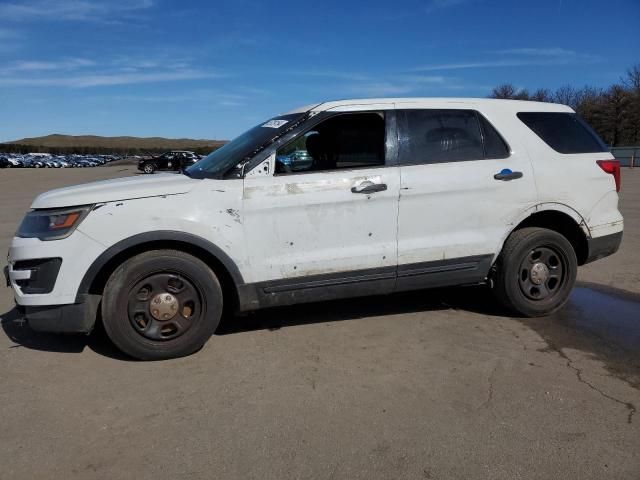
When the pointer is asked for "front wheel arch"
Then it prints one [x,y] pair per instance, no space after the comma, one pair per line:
[96,277]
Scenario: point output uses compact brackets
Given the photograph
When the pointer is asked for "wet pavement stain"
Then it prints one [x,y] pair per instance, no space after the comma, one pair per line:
[603,322]
[612,314]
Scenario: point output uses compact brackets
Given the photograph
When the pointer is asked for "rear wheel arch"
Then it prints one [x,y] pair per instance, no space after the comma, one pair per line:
[97,275]
[561,219]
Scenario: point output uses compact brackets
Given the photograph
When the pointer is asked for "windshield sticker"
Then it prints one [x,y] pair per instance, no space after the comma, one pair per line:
[275,123]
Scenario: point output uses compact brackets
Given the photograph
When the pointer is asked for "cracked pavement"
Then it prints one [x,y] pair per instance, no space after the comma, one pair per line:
[426,385]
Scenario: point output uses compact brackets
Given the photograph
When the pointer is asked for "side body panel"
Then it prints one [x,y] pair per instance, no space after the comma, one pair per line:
[577,181]
[457,209]
[310,224]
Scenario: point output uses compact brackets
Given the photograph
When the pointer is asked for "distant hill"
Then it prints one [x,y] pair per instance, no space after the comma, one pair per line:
[57,140]
[57,143]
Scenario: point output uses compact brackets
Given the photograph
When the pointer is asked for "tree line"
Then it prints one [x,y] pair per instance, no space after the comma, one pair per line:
[613,112]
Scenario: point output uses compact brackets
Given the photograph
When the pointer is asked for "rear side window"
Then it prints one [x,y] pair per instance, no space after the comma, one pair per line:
[564,132]
[439,136]
[494,145]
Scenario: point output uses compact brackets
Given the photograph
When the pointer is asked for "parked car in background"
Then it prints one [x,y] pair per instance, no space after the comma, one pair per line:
[294,161]
[42,160]
[11,162]
[175,160]
[30,162]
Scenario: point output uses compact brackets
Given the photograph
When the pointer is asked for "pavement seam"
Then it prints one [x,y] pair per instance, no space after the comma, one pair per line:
[578,372]
[490,389]
[628,405]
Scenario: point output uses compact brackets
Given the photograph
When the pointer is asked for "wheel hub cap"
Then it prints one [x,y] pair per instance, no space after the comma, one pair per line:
[163,306]
[539,273]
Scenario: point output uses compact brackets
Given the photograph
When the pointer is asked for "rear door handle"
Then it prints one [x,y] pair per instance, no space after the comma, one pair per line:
[506,175]
[369,187]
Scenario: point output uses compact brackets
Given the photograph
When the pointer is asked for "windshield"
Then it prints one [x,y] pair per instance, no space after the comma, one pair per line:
[218,162]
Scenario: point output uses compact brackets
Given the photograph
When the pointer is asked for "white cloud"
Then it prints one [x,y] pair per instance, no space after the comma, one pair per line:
[70,10]
[423,79]
[380,84]
[435,5]
[517,57]
[337,74]
[37,66]
[543,52]
[468,65]
[10,40]
[6,33]
[84,73]
[99,80]
[380,89]
[222,98]
[550,53]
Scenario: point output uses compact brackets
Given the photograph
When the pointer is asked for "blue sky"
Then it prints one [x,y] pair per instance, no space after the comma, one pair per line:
[205,69]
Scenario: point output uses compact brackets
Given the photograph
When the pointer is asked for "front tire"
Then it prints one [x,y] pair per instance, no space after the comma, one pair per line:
[149,168]
[161,304]
[535,272]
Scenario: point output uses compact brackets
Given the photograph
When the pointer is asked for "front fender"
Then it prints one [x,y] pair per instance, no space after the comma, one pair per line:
[149,238]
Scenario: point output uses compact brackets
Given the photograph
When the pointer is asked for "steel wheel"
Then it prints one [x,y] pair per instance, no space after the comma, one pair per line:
[164,306]
[541,273]
[161,304]
[535,272]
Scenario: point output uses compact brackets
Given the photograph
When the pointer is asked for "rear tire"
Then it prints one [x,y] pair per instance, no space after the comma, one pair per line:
[535,272]
[149,168]
[161,304]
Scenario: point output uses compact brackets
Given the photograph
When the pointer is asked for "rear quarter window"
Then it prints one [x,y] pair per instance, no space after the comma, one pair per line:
[564,132]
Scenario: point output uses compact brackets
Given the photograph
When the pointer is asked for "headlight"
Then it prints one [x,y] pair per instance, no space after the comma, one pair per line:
[52,224]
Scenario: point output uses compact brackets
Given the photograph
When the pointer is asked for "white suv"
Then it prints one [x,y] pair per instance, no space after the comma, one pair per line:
[397,194]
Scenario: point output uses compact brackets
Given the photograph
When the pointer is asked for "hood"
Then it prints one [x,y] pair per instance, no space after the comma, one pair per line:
[117,189]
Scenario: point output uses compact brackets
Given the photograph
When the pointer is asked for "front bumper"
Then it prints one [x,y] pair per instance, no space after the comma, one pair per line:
[72,318]
[38,282]
[600,247]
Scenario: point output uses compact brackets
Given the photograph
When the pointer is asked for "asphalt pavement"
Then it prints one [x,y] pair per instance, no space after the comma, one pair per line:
[427,385]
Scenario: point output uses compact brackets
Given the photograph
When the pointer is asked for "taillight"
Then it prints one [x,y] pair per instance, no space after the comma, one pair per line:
[612,167]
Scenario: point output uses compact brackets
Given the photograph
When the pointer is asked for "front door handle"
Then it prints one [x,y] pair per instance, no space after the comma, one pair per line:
[506,175]
[369,187]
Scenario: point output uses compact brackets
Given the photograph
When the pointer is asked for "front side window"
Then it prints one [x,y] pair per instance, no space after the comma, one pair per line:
[438,135]
[345,141]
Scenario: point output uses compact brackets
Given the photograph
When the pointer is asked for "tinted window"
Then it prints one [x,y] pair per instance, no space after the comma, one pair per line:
[564,132]
[434,136]
[345,141]
[494,145]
